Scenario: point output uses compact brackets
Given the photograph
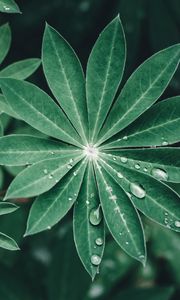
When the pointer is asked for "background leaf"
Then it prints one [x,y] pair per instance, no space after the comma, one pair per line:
[6,208]
[7,243]
[9,6]
[5,40]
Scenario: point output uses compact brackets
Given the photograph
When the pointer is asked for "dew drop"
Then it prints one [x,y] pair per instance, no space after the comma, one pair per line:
[45,171]
[74,173]
[119,175]
[177,224]
[52,152]
[95,260]
[159,174]
[145,169]
[49,227]
[127,243]
[123,159]
[69,166]
[137,166]
[87,202]
[125,137]
[164,143]
[71,161]
[56,180]
[95,216]
[99,241]
[6,7]
[137,190]
[109,188]
[70,198]
[50,176]
[114,158]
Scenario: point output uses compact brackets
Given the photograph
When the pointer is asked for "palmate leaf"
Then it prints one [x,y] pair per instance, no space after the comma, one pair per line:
[94,163]
[9,6]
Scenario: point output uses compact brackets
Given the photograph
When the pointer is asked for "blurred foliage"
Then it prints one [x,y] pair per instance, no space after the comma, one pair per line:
[47,267]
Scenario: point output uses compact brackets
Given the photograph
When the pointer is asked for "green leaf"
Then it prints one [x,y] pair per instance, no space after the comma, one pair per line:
[9,6]
[21,69]
[5,40]
[65,78]
[104,72]
[7,243]
[161,163]
[19,149]
[41,177]
[6,208]
[1,129]
[159,126]
[142,89]
[152,197]
[51,207]
[121,216]
[37,109]
[89,235]
[5,108]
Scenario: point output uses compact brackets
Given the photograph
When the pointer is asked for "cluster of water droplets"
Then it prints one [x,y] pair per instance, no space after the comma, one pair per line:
[6,7]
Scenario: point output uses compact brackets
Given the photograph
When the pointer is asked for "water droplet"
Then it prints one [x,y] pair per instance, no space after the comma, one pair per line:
[74,173]
[99,241]
[123,159]
[69,166]
[95,260]
[137,190]
[49,227]
[92,195]
[71,161]
[52,152]
[177,224]
[127,243]
[145,169]
[125,137]
[95,216]
[50,176]
[6,7]
[45,171]
[164,143]
[109,188]
[87,202]
[137,166]
[159,174]
[119,175]
[117,209]
[113,197]
[166,214]
[56,180]
[70,198]
[114,158]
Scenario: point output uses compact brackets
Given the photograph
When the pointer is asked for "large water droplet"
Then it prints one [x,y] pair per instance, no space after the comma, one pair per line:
[95,260]
[137,166]
[45,171]
[159,174]
[99,241]
[95,216]
[123,159]
[119,175]
[137,190]
[177,223]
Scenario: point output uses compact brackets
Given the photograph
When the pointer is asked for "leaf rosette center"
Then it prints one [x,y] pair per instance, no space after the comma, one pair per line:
[91,152]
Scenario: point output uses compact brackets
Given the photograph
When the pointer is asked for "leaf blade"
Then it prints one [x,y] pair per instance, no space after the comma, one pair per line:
[9,6]
[5,41]
[7,242]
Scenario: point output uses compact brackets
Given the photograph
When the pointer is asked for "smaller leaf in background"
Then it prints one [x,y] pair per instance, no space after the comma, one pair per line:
[9,6]
[6,208]
[121,217]
[5,41]
[51,207]
[89,235]
[7,243]
[141,90]
[41,176]
[21,69]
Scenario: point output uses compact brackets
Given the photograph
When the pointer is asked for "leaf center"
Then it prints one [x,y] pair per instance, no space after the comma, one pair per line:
[91,152]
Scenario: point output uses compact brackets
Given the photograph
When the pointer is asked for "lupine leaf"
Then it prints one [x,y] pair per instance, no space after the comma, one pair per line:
[6,208]
[38,110]
[161,163]
[21,69]
[155,199]
[5,40]
[121,217]
[7,243]
[40,177]
[142,89]
[19,149]
[1,129]
[50,208]
[158,126]
[9,6]
[65,78]
[89,237]
[5,108]
[104,72]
